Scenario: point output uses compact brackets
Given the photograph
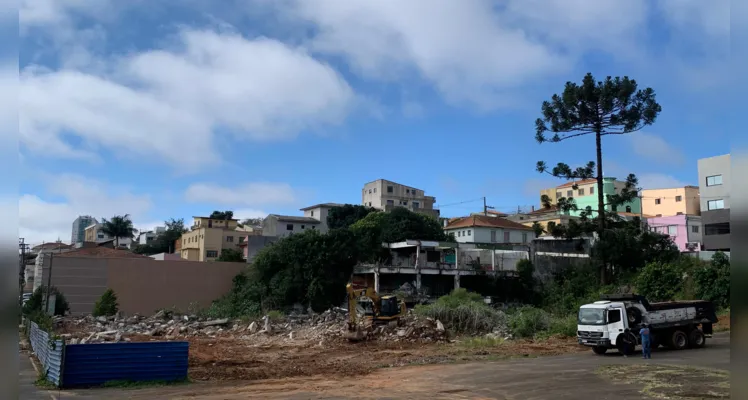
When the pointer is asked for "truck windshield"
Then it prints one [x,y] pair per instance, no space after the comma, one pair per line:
[591,316]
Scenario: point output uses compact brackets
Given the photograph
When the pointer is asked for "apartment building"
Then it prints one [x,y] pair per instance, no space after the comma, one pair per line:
[94,234]
[208,237]
[79,228]
[385,195]
[483,229]
[685,230]
[714,189]
[671,201]
[586,195]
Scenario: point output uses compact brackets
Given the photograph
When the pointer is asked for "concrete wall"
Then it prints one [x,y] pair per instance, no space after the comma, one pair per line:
[712,166]
[142,285]
[375,194]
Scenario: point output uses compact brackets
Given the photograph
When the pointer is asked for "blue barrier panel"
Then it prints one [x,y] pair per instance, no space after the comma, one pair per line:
[48,352]
[97,363]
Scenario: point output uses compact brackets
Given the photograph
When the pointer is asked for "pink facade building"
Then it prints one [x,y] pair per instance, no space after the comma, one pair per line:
[685,230]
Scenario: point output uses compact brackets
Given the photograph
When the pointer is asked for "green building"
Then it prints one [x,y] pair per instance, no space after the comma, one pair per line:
[585,195]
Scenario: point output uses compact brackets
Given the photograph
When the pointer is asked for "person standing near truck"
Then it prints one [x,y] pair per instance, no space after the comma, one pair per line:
[646,342]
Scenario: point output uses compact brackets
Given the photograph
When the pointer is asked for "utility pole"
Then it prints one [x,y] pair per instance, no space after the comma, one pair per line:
[23,248]
[485,207]
[641,208]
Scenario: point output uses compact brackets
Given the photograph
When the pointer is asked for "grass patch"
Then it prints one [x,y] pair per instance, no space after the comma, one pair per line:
[126,384]
[671,382]
[463,311]
[275,316]
[481,342]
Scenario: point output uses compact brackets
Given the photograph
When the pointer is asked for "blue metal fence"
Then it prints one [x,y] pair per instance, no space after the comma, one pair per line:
[97,363]
[49,353]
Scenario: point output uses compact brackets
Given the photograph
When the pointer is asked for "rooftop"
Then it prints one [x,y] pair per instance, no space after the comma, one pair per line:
[52,245]
[582,182]
[217,219]
[486,222]
[323,205]
[293,218]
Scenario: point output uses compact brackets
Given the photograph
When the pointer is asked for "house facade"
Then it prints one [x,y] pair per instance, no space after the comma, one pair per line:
[684,230]
[673,201]
[386,195]
[94,234]
[585,195]
[284,225]
[208,237]
[483,229]
[714,188]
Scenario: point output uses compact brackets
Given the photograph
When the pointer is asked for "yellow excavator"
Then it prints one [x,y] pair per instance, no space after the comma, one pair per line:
[382,310]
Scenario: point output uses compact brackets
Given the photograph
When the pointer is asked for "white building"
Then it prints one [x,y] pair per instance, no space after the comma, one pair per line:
[483,229]
[385,195]
[315,218]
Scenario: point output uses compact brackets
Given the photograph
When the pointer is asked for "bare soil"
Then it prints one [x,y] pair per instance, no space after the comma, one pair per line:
[228,359]
[672,382]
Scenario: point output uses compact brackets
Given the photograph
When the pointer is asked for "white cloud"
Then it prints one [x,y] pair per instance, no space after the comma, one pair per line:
[257,89]
[655,148]
[249,195]
[46,219]
[457,46]
[244,213]
[659,181]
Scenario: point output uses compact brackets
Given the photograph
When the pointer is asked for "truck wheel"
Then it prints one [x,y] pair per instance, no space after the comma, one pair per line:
[599,350]
[696,339]
[679,340]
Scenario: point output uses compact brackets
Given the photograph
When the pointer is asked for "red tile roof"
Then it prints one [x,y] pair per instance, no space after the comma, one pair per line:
[544,210]
[101,252]
[487,222]
[582,182]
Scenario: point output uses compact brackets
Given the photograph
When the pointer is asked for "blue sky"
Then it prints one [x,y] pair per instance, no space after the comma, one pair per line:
[169,109]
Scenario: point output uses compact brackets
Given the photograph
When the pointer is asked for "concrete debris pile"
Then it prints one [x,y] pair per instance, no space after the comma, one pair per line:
[410,329]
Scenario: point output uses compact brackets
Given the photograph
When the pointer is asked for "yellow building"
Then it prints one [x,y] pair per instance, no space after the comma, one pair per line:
[208,237]
[670,202]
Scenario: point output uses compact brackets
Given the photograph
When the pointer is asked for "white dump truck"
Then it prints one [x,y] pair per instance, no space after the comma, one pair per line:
[616,319]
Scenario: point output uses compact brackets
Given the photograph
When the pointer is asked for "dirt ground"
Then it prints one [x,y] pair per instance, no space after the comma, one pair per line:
[672,382]
[226,359]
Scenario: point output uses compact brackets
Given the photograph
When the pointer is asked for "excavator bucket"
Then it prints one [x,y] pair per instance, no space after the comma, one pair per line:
[355,335]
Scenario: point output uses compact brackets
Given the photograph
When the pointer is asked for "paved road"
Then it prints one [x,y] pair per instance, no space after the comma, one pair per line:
[27,377]
[557,378]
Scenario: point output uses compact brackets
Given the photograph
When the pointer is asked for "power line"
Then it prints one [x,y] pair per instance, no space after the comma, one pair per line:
[458,203]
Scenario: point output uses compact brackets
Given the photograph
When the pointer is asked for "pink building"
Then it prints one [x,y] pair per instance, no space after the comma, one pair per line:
[685,230]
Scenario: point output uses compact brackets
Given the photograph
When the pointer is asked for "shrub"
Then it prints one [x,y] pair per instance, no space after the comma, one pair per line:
[660,281]
[463,311]
[712,281]
[106,305]
[35,303]
[526,322]
[563,326]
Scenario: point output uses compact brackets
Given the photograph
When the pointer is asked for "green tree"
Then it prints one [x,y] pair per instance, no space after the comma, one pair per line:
[612,107]
[120,226]
[164,243]
[660,281]
[231,255]
[226,215]
[713,280]
[346,215]
[106,305]
[537,229]
[35,303]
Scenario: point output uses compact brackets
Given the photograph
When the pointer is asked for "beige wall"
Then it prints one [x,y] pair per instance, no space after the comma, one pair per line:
[90,233]
[142,285]
[374,194]
[669,204]
[201,239]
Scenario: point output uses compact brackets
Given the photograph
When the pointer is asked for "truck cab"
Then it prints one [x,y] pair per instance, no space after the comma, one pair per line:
[602,324]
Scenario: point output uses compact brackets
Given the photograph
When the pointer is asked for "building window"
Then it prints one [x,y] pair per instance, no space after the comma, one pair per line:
[416,204]
[369,204]
[628,209]
[679,213]
[524,238]
[459,233]
[302,226]
[211,253]
[506,237]
[558,195]
[407,191]
[375,190]
[470,232]
[390,202]
[569,193]
[721,228]
[715,204]
[312,213]
[313,226]
[672,230]
[678,199]
[714,180]
[405,202]
[390,189]
[592,190]
[658,201]
[695,229]
[289,227]
[241,239]
[493,236]
[581,192]
[230,239]
[369,191]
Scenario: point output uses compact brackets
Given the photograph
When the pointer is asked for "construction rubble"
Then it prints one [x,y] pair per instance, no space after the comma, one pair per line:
[320,328]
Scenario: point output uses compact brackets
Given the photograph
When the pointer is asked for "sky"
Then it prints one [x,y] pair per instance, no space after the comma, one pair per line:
[170,109]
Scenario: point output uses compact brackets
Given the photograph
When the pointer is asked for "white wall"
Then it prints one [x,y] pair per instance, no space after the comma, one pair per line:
[320,214]
[281,228]
[483,235]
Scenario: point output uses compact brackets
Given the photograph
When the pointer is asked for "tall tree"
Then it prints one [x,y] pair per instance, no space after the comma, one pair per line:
[164,243]
[120,226]
[614,106]
[346,215]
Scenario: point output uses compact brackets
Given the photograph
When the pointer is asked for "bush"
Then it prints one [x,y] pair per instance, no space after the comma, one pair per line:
[526,322]
[36,301]
[660,281]
[712,281]
[563,326]
[106,305]
[463,311]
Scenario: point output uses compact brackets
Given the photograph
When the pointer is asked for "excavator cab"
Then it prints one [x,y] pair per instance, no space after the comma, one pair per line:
[389,308]
[377,310]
